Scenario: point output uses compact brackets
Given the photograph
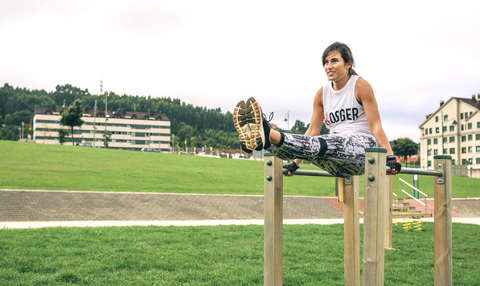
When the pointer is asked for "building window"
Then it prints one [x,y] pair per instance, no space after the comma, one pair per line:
[445,151]
[452,139]
[469,126]
[429,141]
[444,139]
[445,117]
[477,136]
[461,115]
[477,149]
[435,141]
[436,118]
[466,115]
[444,128]
[478,160]
[429,163]
[453,161]
[464,150]
[429,152]
[462,127]
[464,138]
[452,128]
[452,150]
[435,152]
[478,124]
[470,149]
[464,161]
[437,130]
[470,137]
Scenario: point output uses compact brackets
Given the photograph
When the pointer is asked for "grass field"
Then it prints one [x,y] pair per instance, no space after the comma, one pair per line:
[56,167]
[220,255]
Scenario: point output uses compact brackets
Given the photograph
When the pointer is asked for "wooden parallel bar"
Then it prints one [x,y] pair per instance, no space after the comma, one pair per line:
[374,217]
[351,231]
[443,221]
[273,226]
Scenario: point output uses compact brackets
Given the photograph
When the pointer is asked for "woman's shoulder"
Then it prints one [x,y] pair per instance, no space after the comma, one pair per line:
[362,88]
[319,96]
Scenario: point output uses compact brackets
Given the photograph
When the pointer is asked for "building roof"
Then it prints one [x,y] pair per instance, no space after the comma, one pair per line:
[474,102]
[121,113]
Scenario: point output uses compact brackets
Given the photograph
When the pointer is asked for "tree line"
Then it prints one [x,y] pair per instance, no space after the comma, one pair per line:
[199,126]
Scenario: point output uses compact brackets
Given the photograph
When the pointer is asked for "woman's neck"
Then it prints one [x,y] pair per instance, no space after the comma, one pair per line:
[338,85]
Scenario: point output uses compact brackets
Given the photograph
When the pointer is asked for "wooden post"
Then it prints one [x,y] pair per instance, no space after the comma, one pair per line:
[389,209]
[443,221]
[374,216]
[273,226]
[351,231]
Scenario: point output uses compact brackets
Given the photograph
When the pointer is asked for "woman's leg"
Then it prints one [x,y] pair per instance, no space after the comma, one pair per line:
[339,154]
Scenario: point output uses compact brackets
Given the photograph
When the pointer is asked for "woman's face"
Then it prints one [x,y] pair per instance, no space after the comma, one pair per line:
[335,66]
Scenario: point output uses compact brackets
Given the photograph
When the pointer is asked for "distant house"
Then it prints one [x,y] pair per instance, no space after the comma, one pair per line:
[130,130]
[453,129]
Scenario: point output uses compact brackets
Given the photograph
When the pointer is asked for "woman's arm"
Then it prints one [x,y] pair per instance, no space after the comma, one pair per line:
[364,93]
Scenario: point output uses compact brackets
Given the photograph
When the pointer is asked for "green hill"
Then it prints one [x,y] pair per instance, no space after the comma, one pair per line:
[56,167]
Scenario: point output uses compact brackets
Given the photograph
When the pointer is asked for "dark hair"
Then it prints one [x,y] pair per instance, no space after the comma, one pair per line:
[346,53]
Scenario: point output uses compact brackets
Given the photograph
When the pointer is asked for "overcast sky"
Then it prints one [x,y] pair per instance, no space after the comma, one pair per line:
[215,53]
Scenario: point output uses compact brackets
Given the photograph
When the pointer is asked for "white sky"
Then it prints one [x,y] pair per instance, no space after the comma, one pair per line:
[215,53]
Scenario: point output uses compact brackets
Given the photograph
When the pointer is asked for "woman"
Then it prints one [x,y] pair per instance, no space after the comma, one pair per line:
[347,106]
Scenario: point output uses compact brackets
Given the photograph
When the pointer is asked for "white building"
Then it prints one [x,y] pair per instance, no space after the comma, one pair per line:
[453,129]
[130,130]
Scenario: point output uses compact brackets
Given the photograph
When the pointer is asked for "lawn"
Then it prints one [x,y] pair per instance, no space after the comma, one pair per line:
[56,167]
[215,255]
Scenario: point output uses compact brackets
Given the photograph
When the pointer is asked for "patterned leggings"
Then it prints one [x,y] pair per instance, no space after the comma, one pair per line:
[343,155]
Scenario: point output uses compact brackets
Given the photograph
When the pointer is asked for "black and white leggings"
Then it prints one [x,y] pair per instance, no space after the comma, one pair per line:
[341,155]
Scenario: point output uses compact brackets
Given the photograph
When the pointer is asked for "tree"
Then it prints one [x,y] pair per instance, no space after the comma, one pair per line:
[46,131]
[73,117]
[106,136]
[404,147]
[62,133]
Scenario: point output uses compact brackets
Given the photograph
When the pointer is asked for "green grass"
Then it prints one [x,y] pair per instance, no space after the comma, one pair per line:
[215,255]
[56,167]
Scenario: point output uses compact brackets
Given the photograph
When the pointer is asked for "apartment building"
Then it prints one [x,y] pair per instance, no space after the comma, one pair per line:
[453,129]
[130,130]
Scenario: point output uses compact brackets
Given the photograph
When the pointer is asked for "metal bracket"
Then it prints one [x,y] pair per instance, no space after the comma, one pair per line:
[348,180]
[441,178]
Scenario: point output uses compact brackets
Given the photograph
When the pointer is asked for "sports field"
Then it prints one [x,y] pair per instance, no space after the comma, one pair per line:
[56,167]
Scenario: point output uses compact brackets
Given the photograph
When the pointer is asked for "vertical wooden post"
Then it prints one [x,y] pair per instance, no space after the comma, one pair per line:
[273,226]
[351,231]
[389,209]
[443,221]
[374,216]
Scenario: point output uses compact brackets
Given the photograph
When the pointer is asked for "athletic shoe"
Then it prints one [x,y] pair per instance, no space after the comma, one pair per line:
[251,125]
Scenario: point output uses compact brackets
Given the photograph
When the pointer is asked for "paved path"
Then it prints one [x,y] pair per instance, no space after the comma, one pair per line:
[31,208]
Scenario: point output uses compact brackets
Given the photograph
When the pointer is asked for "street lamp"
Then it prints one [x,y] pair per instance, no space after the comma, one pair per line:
[23,128]
[19,132]
[287,119]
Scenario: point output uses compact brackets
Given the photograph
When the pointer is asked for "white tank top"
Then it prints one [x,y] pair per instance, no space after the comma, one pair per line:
[342,112]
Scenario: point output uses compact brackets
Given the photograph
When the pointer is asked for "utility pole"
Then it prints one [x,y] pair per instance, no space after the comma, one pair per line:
[94,124]
[106,112]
